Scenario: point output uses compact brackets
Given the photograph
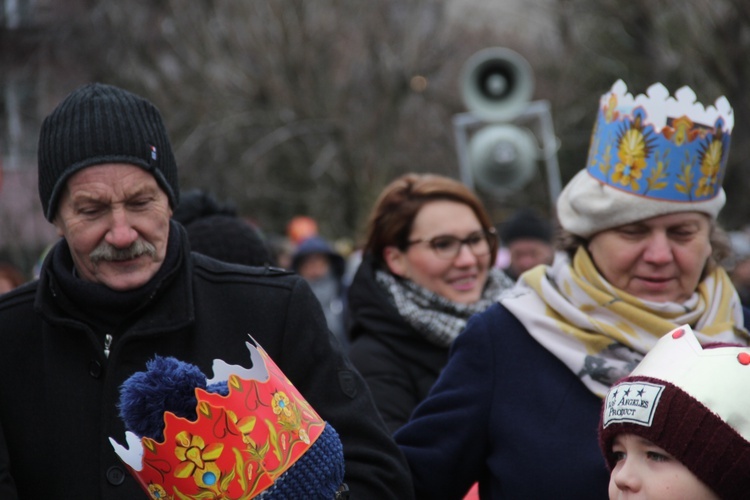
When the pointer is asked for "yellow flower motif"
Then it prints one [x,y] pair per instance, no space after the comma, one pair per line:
[281,405]
[610,114]
[197,459]
[157,492]
[632,156]
[710,165]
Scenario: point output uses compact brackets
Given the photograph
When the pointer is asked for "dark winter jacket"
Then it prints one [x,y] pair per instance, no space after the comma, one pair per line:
[509,414]
[397,362]
[58,390]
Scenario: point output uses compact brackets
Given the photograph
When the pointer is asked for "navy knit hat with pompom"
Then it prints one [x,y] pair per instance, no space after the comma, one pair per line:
[98,124]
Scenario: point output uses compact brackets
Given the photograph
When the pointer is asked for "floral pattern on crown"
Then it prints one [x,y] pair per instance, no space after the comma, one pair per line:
[661,147]
[239,444]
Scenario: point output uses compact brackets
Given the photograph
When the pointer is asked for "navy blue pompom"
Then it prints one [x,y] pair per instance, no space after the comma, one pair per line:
[167,385]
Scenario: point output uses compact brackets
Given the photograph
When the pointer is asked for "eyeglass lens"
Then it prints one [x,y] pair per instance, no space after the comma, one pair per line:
[448,247]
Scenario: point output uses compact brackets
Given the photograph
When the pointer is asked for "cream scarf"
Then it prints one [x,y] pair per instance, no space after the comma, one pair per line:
[601,332]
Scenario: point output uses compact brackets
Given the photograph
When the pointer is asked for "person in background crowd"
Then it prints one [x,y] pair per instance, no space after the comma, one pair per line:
[10,277]
[528,237]
[517,405]
[323,268]
[122,286]
[676,427]
[215,229]
[738,264]
[427,267]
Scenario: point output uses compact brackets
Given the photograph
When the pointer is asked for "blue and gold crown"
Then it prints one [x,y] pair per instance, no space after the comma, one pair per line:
[661,147]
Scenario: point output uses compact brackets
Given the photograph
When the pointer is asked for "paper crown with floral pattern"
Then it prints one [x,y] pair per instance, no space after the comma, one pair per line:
[650,154]
[691,401]
[258,436]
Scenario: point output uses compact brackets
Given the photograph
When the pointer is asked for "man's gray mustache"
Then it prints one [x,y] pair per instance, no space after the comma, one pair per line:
[107,252]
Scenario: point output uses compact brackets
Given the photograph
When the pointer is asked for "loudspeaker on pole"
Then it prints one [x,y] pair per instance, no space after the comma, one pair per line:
[496,83]
[502,158]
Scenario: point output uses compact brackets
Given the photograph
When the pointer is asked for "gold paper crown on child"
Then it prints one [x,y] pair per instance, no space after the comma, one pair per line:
[239,444]
[662,147]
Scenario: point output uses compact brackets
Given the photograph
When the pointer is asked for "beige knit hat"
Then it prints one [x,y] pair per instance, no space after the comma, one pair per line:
[650,155]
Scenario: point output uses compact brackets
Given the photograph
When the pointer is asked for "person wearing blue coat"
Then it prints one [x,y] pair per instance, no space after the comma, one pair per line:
[517,406]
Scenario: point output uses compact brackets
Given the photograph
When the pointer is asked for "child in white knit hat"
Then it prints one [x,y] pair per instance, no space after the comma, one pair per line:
[678,426]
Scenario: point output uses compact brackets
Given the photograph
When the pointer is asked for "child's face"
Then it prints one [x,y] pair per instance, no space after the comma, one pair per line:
[644,470]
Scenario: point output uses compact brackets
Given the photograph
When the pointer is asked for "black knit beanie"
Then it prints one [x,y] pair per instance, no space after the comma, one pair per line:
[99,124]
[526,223]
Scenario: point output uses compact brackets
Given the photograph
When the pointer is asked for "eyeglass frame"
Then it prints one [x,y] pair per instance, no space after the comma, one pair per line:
[489,235]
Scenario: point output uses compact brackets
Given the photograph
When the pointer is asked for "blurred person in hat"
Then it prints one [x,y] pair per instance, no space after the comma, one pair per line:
[517,405]
[738,264]
[215,229]
[677,426]
[528,237]
[121,286]
[323,267]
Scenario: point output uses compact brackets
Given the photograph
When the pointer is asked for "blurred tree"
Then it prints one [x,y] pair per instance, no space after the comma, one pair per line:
[293,107]
[289,106]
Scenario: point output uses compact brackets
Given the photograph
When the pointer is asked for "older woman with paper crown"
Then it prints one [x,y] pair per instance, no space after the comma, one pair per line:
[518,404]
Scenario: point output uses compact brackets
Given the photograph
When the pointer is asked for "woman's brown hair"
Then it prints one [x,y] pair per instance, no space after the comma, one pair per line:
[393,215]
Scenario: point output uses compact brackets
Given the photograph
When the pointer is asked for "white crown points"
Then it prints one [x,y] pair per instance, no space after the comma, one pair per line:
[663,107]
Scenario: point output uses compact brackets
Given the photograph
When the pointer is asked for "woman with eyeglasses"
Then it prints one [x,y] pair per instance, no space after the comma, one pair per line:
[428,265]
[518,404]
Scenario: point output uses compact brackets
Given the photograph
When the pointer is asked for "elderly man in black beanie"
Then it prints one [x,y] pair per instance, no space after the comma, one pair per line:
[122,286]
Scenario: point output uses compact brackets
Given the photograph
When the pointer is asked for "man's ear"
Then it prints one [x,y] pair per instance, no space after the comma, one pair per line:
[395,259]
[58,225]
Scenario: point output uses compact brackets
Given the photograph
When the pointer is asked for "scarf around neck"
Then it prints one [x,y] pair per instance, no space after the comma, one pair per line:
[436,318]
[98,304]
[601,332]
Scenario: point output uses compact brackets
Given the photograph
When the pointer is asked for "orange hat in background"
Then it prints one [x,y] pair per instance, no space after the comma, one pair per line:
[300,228]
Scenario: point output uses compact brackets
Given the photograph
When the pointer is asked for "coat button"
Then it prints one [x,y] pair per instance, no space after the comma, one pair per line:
[95,369]
[115,475]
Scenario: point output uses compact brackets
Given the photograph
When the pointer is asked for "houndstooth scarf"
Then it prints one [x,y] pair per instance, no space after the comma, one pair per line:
[438,319]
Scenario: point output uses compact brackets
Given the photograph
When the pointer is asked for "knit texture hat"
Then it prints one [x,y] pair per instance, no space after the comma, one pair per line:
[650,155]
[525,224]
[99,124]
[215,229]
[228,238]
[693,403]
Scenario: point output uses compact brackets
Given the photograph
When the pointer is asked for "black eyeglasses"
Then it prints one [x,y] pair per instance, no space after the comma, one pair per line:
[448,247]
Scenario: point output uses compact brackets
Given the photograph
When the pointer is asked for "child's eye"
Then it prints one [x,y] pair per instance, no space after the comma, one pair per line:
[618,455]
[657,457]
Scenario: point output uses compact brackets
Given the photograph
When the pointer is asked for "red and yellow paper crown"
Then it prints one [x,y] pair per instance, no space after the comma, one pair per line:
[239,444]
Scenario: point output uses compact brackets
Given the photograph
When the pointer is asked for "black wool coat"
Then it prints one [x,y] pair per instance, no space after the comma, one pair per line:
[397,362]
[58,390]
